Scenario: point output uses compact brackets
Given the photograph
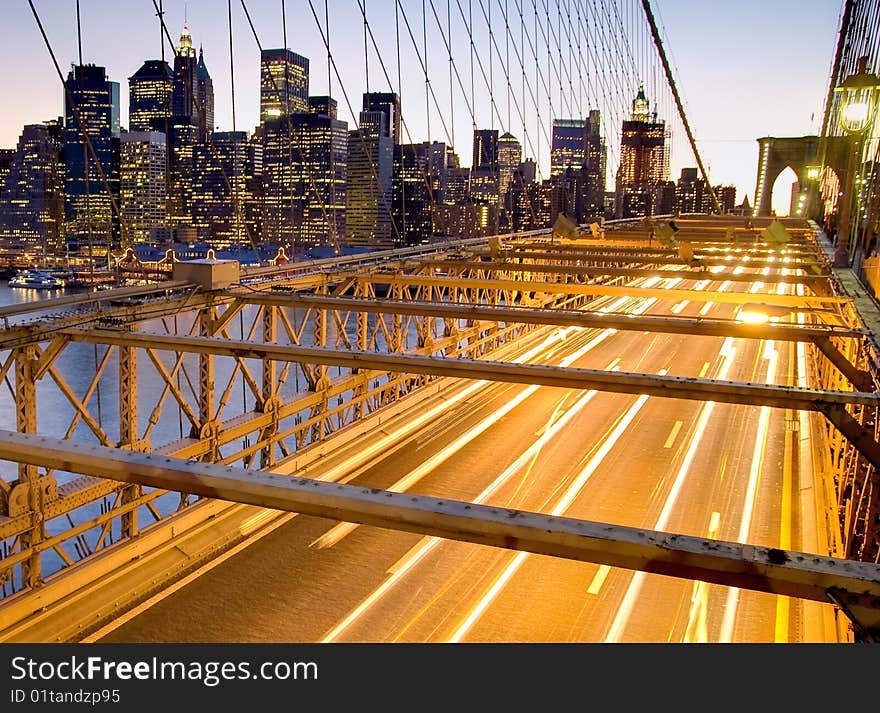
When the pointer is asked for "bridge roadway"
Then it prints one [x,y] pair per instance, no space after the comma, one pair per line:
[726,471]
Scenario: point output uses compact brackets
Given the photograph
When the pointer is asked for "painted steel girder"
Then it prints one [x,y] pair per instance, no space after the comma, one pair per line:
[806,302]
[662,386]
[608,271]
[853,585]
[567,318]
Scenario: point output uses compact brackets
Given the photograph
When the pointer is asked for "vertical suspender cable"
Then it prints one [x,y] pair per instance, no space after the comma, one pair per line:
[334,224]
[451,69]
[670,79]
[236,199]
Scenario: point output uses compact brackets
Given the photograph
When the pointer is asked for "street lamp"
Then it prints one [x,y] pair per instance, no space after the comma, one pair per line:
[858,100]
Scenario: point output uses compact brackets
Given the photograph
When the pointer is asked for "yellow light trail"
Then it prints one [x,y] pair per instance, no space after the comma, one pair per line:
[564,503]
[727,353]
[406,563]
[697,628]
[341,530]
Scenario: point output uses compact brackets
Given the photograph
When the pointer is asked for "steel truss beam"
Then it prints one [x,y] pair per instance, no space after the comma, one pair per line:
[606,271]
[853,585]
[564,377]
[638,257]
[562,318]
[574,288]
[830,403]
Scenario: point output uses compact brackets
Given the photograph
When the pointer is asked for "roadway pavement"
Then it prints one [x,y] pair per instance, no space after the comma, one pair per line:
[724,471]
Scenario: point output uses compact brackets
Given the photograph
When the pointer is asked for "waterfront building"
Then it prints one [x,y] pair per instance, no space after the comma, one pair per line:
[32,197]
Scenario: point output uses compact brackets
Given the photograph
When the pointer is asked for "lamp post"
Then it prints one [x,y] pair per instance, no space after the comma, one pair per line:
[858,102]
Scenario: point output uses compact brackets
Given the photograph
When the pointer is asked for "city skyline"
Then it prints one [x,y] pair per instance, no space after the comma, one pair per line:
[725,155]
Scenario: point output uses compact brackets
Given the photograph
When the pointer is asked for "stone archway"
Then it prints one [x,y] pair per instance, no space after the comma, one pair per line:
[776,154]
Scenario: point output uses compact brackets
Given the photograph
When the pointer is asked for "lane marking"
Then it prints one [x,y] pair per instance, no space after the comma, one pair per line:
[598,579]
[615,632]
[673,434]
[758,456]
[697,631]
[564,503]
[341,530]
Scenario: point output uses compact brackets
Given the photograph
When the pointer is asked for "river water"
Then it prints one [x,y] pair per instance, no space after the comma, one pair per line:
[77,366]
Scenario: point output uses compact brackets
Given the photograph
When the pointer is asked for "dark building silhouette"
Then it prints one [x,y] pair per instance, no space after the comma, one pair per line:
[205,98]
[323,106]
[32,194]
[691,195]
[91,190]
[577,167]
[149,97]
[6,156]
[727,198]
[415,187]
[484,186]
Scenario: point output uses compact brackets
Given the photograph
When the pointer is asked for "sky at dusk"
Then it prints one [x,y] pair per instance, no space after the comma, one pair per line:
[745,69]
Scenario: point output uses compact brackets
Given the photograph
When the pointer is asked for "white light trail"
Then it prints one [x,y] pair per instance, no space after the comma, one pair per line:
[727,352]
[339,531]
[564,503]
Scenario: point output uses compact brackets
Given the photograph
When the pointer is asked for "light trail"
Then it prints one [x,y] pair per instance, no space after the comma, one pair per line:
[727,353]
[405,564]
[697,631]
[771,355]
[341,530]
[564,503]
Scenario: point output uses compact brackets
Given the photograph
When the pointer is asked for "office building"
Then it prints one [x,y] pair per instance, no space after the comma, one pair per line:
[143,189]
[92,190]
[284,84]
[149,97]
[32,196]
[643,186]
[509,159]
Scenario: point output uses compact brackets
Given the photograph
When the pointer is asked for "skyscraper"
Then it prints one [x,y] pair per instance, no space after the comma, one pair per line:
[412,194]
[370,180]
[577,167]
[484,186]
[485,149]
[509,159]
[223,168]
[149,97]
[192,121]
[284,84]
[320,170]
[205,98]
[6,156]
[388,104]
[32,198]
[142,185]
[91,190]
[643,186]
[185,86]
[369,190]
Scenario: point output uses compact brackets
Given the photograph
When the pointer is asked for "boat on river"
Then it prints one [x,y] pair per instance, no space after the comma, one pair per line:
[35,280]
